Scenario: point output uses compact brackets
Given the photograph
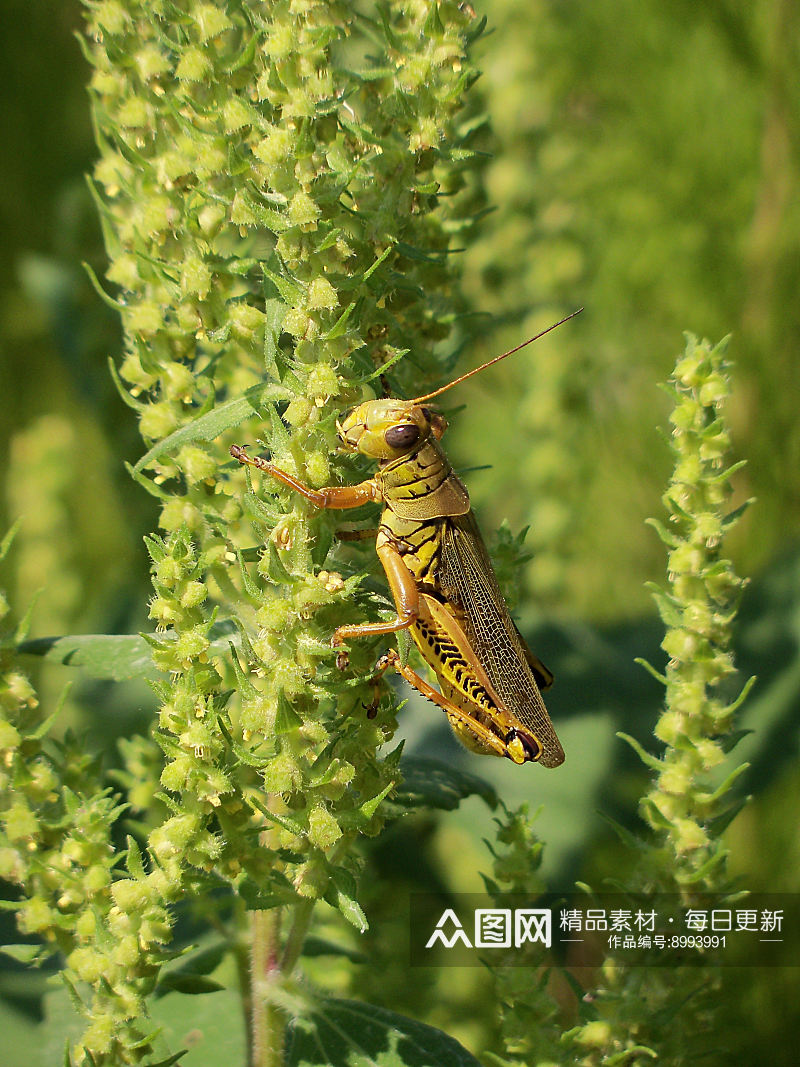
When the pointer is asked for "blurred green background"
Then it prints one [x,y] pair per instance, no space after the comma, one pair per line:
[643,161]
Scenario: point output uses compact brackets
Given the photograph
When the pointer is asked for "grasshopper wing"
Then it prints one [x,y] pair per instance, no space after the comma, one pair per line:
[468,579]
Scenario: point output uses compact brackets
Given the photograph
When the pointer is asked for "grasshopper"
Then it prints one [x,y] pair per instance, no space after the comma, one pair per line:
[441,579]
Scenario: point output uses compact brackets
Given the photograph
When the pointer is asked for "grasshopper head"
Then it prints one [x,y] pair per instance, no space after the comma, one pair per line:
[389,429]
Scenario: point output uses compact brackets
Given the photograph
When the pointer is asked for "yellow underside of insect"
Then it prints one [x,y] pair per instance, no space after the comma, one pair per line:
[479,719]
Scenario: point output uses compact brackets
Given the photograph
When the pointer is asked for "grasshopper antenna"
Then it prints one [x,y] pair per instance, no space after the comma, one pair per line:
[483,366]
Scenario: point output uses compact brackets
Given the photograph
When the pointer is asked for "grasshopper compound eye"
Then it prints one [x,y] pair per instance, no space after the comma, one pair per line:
[402,436]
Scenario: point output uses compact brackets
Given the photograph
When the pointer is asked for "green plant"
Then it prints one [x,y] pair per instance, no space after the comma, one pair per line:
[278,186]
[231,235]
[686,810]
[638,1015]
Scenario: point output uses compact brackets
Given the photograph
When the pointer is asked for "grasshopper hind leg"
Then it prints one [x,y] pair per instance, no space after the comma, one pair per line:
[469,730]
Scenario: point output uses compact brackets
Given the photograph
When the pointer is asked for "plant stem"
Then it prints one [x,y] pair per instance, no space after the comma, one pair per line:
[267,1020]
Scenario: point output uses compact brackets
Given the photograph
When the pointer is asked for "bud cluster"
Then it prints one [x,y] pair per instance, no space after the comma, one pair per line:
[56,824]
[272,214]
[698,609]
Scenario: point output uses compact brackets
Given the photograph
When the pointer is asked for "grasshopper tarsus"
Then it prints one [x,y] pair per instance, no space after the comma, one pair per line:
[342,659]
[381,667]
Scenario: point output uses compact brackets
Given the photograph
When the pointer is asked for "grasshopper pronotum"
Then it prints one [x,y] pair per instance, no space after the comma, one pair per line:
[441,578]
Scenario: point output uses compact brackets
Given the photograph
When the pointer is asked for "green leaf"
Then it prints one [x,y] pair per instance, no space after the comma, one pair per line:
[433,24]
[369,807]
[43,728]
[320,946]
[114,656]
[653,762]
[117,305]
[668,606]
[279,437]
[322,544]
[286,719]
[433,784]
[274,312]
[702,873]
[586,1006]
[273,220]
[716,826]
[290,291]
[198,963]
[244,685]
[623,1059]
[476,31]
[249,586]
[340,325]
[725,785]
[259,511]
[728,742]
[276,570]
[734,705]
[245,56]
[294,826]
[371,270]
[190,984]
[341,895]
[134,860]
[147,484]
[723,476]
[24,626]
[389,363]
[419,255]
[215,422]
[247,757]
[667,536]
[372,74]
[270,895]
[168,1062]
[631,841]
[29,954]
[662,678]
[733,516]
[350,1033]
[214,1022]
[124,393]
[5,544]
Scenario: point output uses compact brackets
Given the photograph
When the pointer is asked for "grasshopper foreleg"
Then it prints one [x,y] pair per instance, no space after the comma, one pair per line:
[401,581]
[332,496]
